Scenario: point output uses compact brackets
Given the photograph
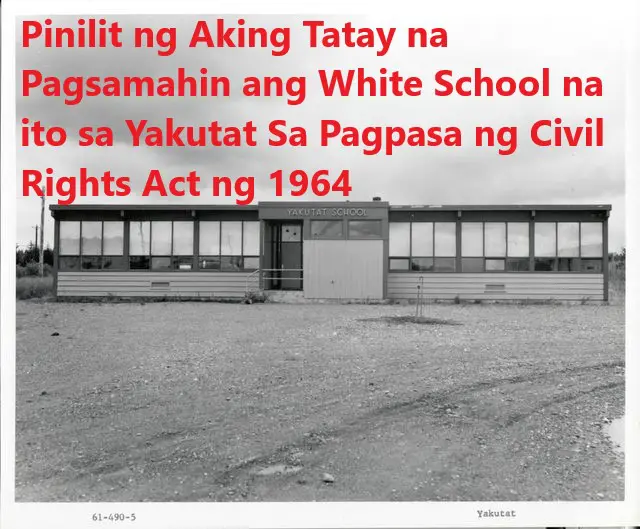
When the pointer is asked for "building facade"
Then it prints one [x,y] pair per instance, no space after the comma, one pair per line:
[333,250]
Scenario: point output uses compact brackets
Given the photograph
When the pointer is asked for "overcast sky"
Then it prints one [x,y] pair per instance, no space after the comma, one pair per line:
[569,40]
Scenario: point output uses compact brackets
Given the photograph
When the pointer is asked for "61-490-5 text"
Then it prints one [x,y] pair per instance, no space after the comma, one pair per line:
[113,517]
[297,183]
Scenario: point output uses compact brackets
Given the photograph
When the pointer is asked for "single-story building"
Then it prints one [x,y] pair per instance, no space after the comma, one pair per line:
[333,250]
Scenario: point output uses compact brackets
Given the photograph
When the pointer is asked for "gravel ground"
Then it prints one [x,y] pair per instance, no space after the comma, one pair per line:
[224,402]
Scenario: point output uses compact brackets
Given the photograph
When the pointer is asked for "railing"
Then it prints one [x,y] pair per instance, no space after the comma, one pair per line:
[255,273]
[270,274]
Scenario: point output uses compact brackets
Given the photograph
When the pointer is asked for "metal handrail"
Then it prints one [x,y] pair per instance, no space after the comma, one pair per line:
[262,276]
[246,284]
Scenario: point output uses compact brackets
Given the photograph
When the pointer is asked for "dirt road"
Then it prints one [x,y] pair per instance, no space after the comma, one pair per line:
[215,402]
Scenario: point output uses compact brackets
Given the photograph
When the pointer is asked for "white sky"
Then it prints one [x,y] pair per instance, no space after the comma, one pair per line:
[587,41]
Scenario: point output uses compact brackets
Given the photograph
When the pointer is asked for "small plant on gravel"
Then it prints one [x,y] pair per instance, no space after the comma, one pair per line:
[256,297]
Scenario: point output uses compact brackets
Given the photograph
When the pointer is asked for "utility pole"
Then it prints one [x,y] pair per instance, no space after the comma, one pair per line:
[35,243]
[42,235]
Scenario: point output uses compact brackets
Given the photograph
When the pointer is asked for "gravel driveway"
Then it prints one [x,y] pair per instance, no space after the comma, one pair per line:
[226,402]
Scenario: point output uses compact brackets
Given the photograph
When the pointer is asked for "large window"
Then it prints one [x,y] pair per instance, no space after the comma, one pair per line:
[327,229]
[422,246]
[161,245]
[365,229]
[91,245]
[229,245]
[495,246]
[568,247]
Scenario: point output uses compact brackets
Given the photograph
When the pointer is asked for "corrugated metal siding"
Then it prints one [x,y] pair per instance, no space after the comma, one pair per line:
[155,284]
[347,269]
[568,287]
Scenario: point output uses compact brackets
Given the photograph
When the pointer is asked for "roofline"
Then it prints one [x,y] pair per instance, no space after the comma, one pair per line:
[303,204]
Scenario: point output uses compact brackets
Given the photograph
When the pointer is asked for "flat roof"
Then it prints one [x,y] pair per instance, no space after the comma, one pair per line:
[302,204]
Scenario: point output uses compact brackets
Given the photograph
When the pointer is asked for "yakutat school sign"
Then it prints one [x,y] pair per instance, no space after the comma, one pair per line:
[327,212]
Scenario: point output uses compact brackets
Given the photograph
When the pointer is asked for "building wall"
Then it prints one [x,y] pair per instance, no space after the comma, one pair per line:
[156,284]
[497,286]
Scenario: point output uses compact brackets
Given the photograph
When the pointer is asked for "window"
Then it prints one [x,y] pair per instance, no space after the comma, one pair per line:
[495,247]
[568,247]
[472,239]
[327,229]
[422,246]
[91,245]
[229,245]
[365,229]
[591,239]
[568,239]
[400,239]
[171,245]
[139,244]
[495,239]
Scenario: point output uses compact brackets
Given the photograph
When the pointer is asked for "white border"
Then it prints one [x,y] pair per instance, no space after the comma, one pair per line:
[295,515]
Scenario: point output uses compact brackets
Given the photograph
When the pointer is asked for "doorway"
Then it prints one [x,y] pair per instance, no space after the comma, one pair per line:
[285,244]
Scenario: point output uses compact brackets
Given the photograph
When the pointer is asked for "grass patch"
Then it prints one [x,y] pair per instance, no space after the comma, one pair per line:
[34,287]
[420,320]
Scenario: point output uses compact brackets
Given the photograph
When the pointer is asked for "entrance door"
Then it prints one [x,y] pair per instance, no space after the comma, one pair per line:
[286,251]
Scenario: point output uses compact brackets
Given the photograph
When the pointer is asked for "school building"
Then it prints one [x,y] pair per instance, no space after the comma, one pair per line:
[333,250]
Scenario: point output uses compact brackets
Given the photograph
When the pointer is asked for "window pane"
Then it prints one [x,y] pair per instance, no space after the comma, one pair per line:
[591,239]
[445,239]
[422,239]
[230,263]
[68,262]
[399,239]
[113,238]
[591,265]
[518,265]
[444,264]
[231,240]
[327,229]
[182,263]
[113,262]
[161,263]
[139,262]
[568,239]
[291,232]
[422,264]
[365,229]
[472,239]
[473,264]
[518,239]
[91,238]
[568,265]
[183,238]
[544,264]
[251,263]
[251,238]
[91,262]
[139,238]
[210,262]
[69,238]
[495,239]
[209,238]
[398,264]
[545,239]
[160,238]
[494,265]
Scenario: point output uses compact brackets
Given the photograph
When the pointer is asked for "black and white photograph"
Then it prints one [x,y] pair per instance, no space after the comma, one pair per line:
[446,323]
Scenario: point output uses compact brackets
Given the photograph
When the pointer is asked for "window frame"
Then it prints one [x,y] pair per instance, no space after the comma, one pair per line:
[433,257]
[220,257]
[100,257]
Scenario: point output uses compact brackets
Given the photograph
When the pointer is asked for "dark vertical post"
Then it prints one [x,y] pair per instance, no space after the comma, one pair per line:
[125,240]
[56,246]
[532,242]
[42,234]
[459,242]
[605,258]
[196,242]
